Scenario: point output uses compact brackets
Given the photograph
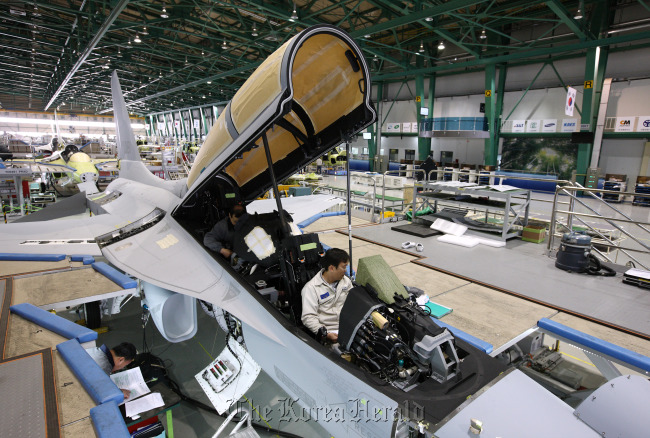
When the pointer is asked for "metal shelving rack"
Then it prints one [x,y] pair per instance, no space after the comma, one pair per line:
[514,205]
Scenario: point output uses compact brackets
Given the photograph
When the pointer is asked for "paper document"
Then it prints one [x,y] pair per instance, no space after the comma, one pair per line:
[635,272]
[503,187]
[144,404]
[133,381]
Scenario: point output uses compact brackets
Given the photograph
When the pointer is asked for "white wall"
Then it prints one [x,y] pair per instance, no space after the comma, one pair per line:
[622,157]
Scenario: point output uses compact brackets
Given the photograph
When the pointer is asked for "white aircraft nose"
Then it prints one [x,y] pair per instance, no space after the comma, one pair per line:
[88,176]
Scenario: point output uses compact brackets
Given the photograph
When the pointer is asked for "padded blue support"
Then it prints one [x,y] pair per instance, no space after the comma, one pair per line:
[54,322]
[14,256]
[86,259]
[108,421]
[114,275]
[595,344]
[98,385]
[317,216]
[476,342]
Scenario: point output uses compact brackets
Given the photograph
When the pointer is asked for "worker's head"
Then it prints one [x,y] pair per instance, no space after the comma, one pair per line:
[123,355]
[335,262]
[235,212]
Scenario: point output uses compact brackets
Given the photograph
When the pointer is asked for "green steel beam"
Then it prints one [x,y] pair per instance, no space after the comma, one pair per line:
[564,15]
[115,12]
[492,142]
[449,37]
[564,85]
[525,92]
[445,8]
[520,55]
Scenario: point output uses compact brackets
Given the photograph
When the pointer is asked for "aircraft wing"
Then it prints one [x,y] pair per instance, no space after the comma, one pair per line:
[299,207]
[40,167]
[167,256]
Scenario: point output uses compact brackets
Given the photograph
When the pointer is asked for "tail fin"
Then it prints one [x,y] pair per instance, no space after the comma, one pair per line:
[126,147]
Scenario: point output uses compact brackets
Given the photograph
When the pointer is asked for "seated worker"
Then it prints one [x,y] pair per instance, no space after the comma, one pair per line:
[323,296]
[220,238]
[115,359]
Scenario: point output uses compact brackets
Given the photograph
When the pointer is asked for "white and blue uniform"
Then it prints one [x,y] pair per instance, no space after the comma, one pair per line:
[322,302]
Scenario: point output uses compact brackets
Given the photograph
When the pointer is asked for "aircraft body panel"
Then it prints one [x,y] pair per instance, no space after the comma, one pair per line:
[341,402]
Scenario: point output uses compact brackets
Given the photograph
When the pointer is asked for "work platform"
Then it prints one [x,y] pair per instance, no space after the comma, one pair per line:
[47,399]
[473,282]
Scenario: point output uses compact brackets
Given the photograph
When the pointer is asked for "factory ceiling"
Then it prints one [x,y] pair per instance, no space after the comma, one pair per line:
[180,53]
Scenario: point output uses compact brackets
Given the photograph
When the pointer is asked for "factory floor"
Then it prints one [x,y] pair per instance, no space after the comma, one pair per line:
[482,307]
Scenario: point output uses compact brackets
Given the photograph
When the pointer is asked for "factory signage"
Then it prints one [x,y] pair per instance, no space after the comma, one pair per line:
[569,125]
[533,125]
[177,124]
[570,101]
[549,125]
[624,124]
[146,126]
[414,127]
[585,126]
[406,127]
[518,126]
[197,124]
[392,127]
[644,124]
[161,126]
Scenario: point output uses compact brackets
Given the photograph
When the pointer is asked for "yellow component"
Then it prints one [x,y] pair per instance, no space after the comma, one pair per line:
[388,214]
[52,311]
[379,320]
[101,329]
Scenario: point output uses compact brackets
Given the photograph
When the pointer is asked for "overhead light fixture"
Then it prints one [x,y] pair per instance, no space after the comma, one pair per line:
[202,52]
[163,13]
[185,59]
[428,19]
[144,31]
[367,36]
[441,46]
[203,97]
[254,33]
[137,39]
[119,52]
[578,14]
[208,82]
[421,47]
[294,15]
[483,35]
[129,45]
[224,46]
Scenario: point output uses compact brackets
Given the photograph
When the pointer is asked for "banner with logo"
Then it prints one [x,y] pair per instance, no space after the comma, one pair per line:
[197,124]
[414,127]
[570,101]
[392,127]
[533,125]
[161,126]
[569,125]
[177,124]
[624,124]
[549,125]
[406,127]
[518,126]
[644,124]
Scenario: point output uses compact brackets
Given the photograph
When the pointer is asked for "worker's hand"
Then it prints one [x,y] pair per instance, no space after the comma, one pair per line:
[332,337]
[126,393]
[226,252]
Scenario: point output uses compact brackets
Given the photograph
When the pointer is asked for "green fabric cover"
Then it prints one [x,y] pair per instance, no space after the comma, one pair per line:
[375,271]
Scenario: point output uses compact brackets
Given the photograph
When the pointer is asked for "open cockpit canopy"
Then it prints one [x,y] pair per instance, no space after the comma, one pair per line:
[306,98]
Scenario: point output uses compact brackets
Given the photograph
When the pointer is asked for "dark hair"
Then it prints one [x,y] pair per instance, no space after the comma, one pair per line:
[237,210]
[126,350]
[334,257]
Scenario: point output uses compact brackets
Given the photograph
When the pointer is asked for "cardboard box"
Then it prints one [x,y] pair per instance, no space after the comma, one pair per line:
[534,233]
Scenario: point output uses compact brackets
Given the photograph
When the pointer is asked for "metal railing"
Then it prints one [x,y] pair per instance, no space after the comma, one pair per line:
[571,190]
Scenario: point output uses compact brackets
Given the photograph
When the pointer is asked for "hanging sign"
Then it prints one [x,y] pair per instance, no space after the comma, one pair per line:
[549,125]
[177,124]
[197,124]
[533,125]
[518,126]
[624,124]
[569,125]
[644,124]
